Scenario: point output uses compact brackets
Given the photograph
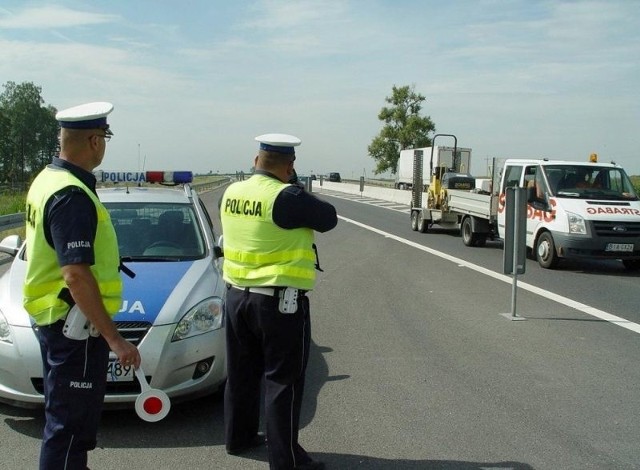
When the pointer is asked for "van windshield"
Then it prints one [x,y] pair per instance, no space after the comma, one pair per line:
[589,182]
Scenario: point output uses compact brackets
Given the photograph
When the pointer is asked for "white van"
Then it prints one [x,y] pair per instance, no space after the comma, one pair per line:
[576,210]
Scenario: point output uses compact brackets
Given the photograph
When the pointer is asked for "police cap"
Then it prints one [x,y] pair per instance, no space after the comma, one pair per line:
[279,143]
[86,116]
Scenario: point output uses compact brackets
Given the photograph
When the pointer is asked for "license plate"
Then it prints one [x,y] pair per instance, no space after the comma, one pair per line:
[619,247]
[116,372]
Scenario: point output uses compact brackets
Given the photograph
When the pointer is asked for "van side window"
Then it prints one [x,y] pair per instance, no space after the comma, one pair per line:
[534,184]
[529,176]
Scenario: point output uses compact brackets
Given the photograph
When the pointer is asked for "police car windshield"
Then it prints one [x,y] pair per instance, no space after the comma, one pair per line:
[589,182]
[157,231]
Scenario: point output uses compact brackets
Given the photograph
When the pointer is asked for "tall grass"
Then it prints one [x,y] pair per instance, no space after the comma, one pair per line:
[12,203]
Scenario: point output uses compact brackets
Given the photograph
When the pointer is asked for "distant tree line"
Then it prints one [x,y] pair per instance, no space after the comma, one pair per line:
[28,133]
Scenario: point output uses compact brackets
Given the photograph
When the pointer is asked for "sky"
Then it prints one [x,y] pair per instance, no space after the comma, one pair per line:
[194,82]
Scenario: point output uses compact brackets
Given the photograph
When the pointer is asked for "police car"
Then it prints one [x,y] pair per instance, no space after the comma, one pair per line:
[172,308]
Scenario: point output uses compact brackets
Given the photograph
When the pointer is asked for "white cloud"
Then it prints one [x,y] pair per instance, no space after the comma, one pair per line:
[195,85]
[52,16]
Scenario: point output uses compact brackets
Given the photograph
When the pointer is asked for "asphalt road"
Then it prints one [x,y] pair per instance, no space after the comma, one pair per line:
[413,366]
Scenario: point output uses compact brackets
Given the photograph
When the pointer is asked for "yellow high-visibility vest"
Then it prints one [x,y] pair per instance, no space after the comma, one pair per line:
[43,281]
[256,251]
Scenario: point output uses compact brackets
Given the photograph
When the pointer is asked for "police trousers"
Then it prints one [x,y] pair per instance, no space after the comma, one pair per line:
[264,344]
[75,374]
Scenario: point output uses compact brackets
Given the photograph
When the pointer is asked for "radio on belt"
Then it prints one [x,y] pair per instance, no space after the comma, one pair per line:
[76,326]
[288,300]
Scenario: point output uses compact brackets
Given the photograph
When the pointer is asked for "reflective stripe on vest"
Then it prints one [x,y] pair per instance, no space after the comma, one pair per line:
[43,280]
[256,251]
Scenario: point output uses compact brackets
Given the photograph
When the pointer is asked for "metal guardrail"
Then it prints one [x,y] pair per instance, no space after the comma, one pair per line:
[11,221]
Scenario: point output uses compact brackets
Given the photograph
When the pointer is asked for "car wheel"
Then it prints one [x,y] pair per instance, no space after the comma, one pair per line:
[423,224]
[468,237]
[414,221]
[546,251]
[631,264]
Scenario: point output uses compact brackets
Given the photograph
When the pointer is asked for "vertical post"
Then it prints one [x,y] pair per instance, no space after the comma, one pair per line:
[417,185]
[514,265]
[515,249]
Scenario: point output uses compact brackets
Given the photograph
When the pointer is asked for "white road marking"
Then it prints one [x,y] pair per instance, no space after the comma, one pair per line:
[393,206]
[594,312]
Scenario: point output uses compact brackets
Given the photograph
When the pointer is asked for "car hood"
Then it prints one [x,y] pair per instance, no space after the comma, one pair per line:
[594,209]
[160,292]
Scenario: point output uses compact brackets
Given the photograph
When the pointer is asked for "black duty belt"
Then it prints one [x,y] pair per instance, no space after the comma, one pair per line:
[268,291]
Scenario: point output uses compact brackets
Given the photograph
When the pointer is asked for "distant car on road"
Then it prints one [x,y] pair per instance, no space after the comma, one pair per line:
[171,309]
[335,177]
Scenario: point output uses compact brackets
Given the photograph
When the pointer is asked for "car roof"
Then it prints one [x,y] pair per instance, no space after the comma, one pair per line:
[546,162]
[144,194]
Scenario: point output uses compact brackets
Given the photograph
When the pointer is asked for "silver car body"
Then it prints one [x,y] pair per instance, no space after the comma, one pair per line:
[169,283]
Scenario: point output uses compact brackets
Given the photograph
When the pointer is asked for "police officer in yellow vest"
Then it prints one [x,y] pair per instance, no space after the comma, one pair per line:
[269,265]
[72,277]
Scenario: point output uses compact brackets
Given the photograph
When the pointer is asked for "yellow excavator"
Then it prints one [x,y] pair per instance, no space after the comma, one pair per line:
[448,169]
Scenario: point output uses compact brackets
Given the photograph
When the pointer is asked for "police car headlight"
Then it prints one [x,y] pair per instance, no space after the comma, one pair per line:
[576,224]
[5,331]
[204,317]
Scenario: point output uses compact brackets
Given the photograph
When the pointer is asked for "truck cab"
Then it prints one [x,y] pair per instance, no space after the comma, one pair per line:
[576,210]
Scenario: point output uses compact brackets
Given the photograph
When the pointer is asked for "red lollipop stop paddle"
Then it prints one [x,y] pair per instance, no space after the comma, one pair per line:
[152,404]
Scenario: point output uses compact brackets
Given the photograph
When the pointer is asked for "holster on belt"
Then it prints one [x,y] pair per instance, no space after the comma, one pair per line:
[76,326]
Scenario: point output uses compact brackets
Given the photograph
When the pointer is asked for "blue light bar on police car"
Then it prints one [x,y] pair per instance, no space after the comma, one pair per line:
[165,177]
[175,177]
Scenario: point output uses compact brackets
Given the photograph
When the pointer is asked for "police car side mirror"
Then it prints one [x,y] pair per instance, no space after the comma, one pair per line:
[11,245]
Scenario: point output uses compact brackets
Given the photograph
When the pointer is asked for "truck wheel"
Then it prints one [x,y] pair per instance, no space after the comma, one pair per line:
[468,237]
[414,221]
[631,264]
[546,251]
[423,224]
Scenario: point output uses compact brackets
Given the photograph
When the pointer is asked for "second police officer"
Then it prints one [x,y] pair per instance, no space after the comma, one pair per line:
[270,261]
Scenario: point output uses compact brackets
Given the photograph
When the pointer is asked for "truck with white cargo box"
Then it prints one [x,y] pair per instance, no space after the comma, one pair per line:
[405,174]
[574,210]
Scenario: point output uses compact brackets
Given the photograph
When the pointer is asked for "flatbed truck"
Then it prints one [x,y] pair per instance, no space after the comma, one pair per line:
[574,209]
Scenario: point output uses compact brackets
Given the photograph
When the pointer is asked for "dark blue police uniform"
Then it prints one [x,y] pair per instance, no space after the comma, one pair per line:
[74,371]
[261,341]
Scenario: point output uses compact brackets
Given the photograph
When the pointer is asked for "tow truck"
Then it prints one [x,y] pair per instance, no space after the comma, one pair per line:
[575,209]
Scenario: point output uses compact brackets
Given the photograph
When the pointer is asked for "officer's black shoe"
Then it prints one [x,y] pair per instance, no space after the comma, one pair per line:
[257,441]
[313,465]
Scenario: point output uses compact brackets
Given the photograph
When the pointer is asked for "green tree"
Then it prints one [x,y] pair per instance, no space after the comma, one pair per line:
[403,128]
[28,132]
